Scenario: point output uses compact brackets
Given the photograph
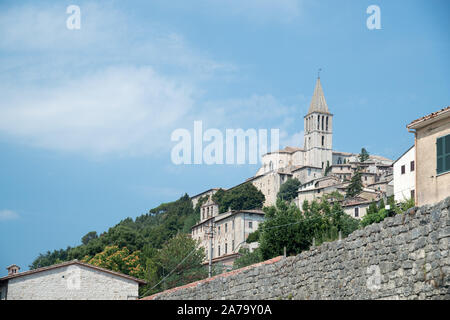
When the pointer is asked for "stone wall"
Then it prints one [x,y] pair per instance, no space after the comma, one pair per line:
[403,257]
[72,282]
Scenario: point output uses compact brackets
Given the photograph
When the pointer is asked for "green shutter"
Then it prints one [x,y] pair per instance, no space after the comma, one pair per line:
[439,155]
[443,154]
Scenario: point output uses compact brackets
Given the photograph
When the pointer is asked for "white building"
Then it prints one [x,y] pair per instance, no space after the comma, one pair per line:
[405,176]
[73,280]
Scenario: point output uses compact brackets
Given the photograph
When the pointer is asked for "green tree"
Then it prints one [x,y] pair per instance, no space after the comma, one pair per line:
[180,259]
[119,260]
[364,155]
[282,228]
[88,237]
[355,187]
[253,237]
[327,168]
[289,189]
[243,197]
[247,258]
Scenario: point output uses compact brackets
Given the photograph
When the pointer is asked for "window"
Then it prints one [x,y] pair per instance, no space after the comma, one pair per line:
[226,248]
[232,224]
[356,212]
[403,169]
[218,250]
[323,141]
[443,154]
[413,194]
[232,245]
[250,224]
[218,229]
[327,123]
[411,166]
[226,228]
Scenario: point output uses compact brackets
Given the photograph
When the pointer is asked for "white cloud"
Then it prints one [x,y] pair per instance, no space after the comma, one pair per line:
[123,110]
[6,215]
[294,140]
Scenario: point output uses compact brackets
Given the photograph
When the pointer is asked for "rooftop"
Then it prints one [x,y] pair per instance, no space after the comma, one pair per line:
[70,263]
[434,116]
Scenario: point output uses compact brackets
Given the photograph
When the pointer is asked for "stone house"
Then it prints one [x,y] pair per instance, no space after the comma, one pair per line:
[229,231]
[432,156]
[356,207]
[73,280]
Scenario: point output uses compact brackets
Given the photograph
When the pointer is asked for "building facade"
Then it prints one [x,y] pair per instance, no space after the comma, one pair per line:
[405,176]
[432,156]
[73,280]
[223,234]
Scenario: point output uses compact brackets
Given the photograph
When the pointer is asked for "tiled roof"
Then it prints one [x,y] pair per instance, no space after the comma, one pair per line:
[223,275]
[416,123]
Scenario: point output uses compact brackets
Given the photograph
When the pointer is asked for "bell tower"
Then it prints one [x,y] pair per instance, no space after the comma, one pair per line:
[318,128]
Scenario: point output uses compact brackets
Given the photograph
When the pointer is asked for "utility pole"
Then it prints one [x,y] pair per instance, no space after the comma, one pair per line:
[211,235]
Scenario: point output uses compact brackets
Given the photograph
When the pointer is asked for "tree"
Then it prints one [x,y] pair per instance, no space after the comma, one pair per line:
[327,168]
[180,259]
[88,237]
[253,237]
[289,189]
[119,260]
[243,197]
[355,187]
[282,228]
[247,258]
[364,155]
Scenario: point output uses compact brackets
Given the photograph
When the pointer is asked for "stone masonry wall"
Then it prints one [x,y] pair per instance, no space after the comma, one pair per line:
[402,257]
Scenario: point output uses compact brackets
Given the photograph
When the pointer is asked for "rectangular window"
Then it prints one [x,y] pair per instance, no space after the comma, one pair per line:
[226,228]
[250,224]
[232,245]
[403,169]
[356,212]
[226,248]
[443,154]
[413,194]
[218,251]
[412,166]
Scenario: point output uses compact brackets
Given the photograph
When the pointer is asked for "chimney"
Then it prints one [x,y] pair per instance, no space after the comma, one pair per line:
[13,269]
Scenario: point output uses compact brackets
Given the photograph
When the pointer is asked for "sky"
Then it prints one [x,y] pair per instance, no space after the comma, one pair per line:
[86,115]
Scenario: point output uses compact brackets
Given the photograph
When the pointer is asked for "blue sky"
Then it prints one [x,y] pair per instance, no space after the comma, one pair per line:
[86,115]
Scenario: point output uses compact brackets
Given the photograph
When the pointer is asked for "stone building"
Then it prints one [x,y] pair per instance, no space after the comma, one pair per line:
[73,280]
[229,231]
[356,207]
[432,156]
[309,163]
